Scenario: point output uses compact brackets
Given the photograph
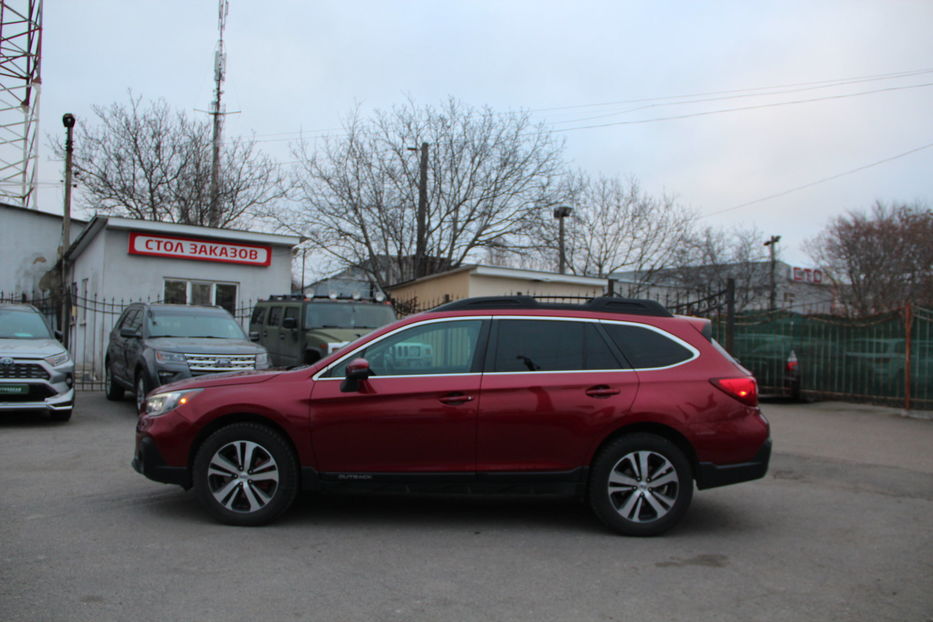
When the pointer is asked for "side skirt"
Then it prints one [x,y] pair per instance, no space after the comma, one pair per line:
[551,483]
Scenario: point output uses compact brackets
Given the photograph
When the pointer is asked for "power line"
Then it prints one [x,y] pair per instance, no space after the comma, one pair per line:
[819,181]
[806,85]
[743,108]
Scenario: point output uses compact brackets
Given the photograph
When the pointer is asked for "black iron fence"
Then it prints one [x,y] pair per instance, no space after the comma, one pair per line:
[886,358]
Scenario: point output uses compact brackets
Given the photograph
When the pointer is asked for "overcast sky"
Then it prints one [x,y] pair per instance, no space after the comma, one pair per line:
[736,108]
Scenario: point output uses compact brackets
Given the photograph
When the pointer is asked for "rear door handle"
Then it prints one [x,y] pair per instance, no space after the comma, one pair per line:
[455,399]
[602,391]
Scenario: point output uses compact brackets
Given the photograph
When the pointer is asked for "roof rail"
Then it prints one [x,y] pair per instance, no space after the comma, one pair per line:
[605,304]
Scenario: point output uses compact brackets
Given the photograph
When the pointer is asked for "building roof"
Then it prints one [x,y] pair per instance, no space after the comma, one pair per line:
[99,223]
[512,273]
[36,212]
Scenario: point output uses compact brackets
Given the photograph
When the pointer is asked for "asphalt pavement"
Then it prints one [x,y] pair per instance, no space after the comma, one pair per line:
[840,529]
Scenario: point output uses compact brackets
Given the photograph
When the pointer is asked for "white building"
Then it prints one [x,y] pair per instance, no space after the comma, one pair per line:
[113,261]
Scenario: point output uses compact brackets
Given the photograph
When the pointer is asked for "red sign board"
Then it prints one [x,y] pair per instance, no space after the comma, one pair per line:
[200,250]
[807,275]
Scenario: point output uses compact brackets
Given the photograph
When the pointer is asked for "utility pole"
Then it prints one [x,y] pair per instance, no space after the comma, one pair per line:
[560,213]
[68,120]
[220,67]
[421,242]
[771,243]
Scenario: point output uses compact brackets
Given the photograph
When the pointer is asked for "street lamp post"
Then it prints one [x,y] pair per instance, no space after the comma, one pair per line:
[771,243]
[560,213]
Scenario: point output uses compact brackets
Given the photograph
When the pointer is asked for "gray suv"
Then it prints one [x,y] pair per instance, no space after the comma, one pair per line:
[36,371]
[154,344]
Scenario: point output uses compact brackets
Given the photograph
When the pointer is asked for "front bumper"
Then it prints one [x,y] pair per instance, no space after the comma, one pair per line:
[711,475]
[59,402]
[149,462]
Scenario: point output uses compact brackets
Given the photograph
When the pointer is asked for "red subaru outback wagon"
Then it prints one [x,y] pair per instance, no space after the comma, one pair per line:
[614,400]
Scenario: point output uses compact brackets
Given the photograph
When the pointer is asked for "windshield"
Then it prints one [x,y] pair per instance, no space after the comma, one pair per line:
[181,324]
[348,315]
[22,325]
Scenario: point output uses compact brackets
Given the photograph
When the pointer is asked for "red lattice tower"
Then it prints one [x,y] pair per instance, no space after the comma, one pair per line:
[20,62]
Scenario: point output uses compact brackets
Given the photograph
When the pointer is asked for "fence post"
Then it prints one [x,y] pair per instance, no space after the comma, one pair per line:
[908,330]
[730,316]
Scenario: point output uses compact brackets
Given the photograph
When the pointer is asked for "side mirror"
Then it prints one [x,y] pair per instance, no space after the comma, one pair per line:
[129,333]
[254,335]
[357,371]
[289,322]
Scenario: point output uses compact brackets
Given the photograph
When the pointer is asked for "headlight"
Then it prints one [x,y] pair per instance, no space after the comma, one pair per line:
[161,403]
[57,359]
[170,357]
[262,360]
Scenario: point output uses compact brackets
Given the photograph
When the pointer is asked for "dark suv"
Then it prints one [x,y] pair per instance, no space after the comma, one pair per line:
[154,344]
[297,330]
[615,401]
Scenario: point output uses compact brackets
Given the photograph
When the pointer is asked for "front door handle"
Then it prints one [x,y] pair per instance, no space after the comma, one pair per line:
[455,399]
[602,391]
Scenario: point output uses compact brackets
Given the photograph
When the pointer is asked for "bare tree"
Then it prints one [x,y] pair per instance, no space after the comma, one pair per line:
[879,260]
[486,174]
[152,163]
[615,226]
[710,257]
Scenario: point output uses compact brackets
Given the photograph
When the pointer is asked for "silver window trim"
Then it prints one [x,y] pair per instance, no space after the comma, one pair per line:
[694,353]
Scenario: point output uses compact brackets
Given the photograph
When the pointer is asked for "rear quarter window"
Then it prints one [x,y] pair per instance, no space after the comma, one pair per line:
[645,348]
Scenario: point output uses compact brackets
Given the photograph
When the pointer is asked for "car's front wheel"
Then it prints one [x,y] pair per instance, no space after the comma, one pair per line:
[245,474]
[640,485]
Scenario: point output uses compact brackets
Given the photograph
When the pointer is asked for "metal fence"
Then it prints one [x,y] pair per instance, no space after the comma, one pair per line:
[885,359]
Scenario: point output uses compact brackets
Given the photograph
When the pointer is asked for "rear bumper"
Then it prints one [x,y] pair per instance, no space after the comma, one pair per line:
[149,462]
[710,475]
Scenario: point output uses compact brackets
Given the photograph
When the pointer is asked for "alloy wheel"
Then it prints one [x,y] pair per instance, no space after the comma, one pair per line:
[243,476]
[643,486]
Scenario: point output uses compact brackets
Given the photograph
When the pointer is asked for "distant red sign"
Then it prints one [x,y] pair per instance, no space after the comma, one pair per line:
[807,275]
[199,250]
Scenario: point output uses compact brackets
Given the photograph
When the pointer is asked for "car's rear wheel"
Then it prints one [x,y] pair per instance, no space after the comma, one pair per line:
[245,474]
[113,390]
[640,485]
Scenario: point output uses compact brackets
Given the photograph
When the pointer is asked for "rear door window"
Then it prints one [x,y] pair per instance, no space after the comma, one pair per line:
[525,345]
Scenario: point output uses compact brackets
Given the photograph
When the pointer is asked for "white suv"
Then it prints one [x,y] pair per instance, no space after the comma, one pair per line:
[36,371]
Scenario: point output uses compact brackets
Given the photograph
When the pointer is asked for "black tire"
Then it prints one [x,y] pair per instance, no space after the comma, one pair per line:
[60,415]
[113,390]
[245,474]
[142,386]
[621,491]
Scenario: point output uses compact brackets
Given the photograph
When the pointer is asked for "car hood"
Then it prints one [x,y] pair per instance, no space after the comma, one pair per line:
[30,348]
[192,345]
[220,380]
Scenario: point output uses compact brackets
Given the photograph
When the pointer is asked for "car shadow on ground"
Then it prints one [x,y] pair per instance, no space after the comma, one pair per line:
[351,512]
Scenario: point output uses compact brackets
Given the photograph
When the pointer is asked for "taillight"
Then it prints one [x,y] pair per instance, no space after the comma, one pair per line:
[792,362]
[744,389]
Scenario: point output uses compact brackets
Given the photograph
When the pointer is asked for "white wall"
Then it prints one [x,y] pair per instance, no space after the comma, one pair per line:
[29,242]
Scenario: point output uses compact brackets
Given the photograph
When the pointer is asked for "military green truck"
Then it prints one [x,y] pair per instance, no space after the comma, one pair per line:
[298,330]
